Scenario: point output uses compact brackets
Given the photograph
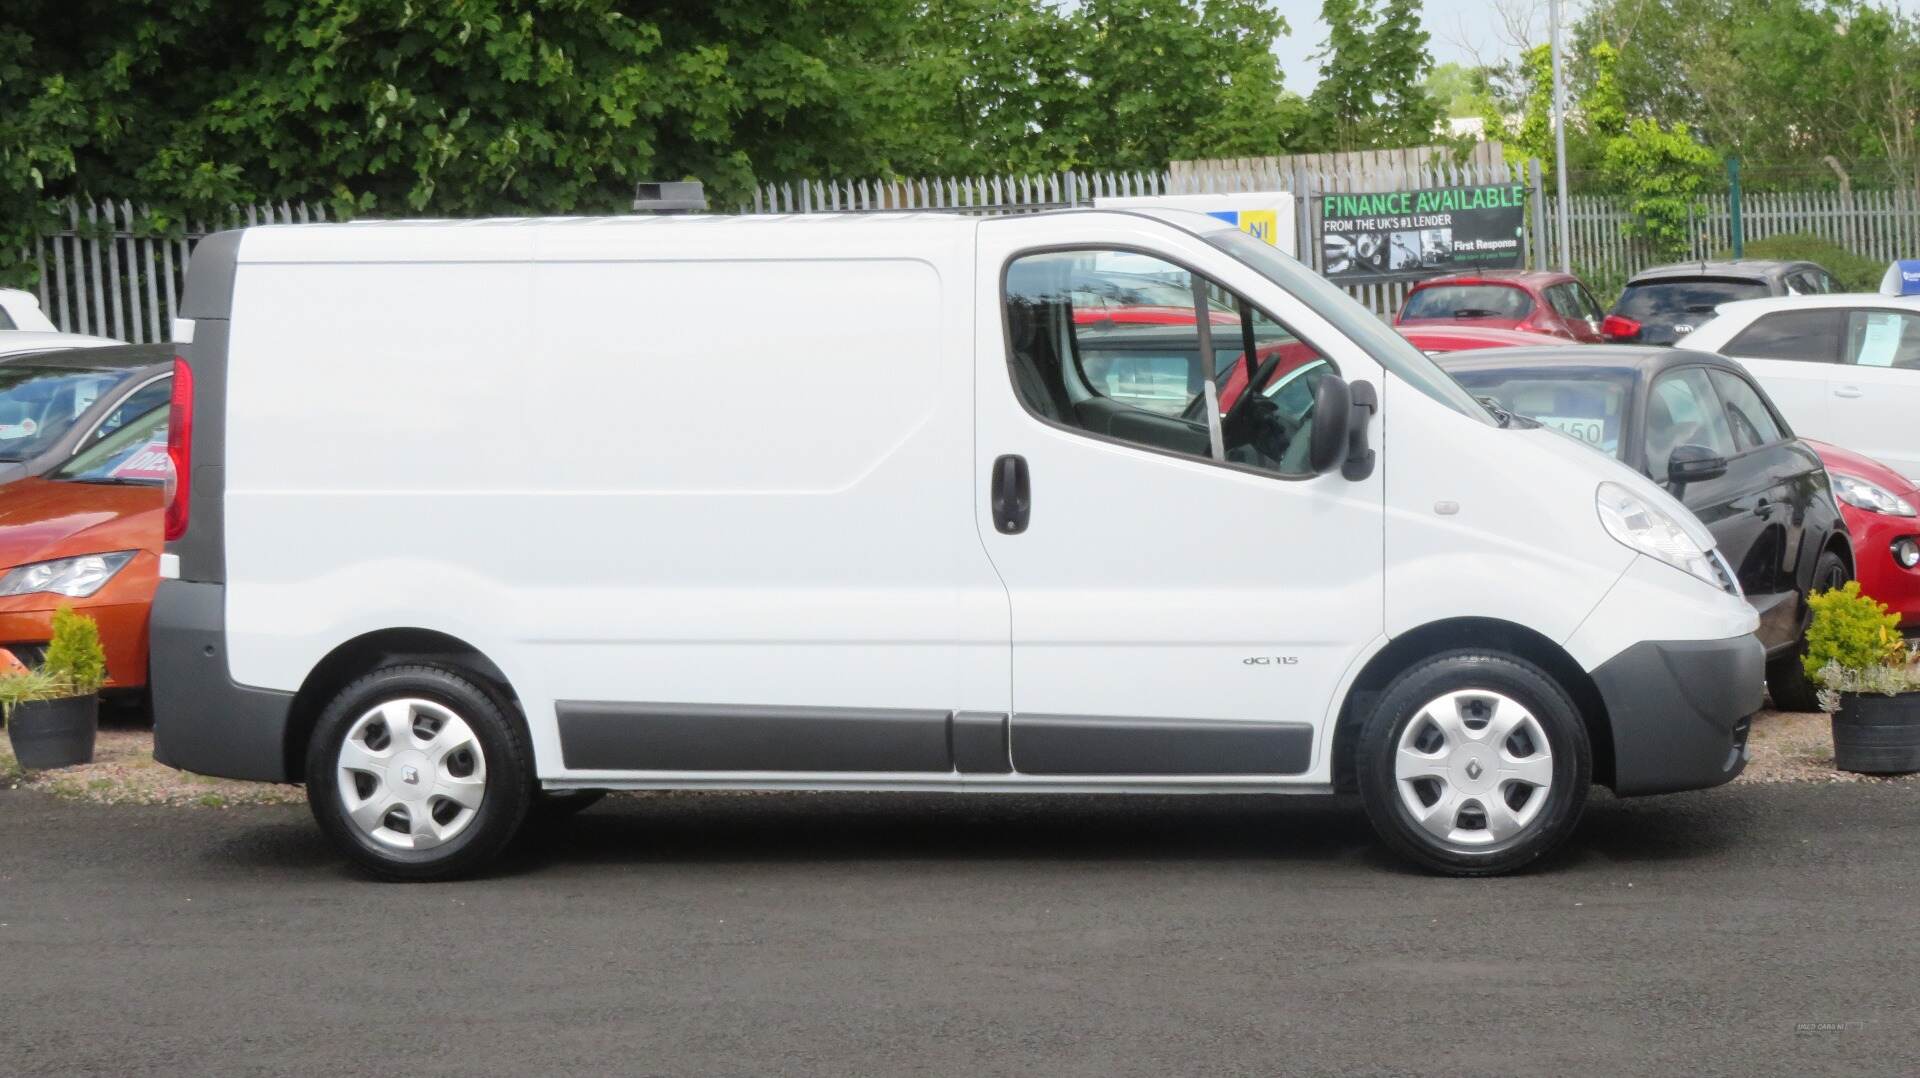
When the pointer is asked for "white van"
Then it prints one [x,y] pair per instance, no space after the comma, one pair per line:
[476,520]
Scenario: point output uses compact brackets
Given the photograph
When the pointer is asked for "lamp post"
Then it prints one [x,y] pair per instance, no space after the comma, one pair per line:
[1559,135]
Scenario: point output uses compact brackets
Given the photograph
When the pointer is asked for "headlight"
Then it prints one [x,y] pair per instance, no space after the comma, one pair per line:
[73,577]
[1874,499]
[1648,529]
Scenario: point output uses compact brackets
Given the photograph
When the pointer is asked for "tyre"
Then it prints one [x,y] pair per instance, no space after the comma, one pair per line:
[1787,680]
[1474,763]
[417,773]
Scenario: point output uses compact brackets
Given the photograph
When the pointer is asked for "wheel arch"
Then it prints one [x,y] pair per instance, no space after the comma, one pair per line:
[370,651]
[1454,634]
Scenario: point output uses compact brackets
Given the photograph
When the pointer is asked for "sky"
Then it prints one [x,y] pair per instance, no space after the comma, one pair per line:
[1456,27]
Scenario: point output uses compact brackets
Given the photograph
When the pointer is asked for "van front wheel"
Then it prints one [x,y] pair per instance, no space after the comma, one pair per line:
[1474,764]
[416,773]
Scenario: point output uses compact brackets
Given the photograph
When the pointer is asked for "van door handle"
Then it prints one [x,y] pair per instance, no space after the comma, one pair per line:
[1849,392]
[1012,494]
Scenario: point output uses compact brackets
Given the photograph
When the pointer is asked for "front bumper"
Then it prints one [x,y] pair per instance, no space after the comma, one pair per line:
[1680,710]
[1880,576]
[202,721]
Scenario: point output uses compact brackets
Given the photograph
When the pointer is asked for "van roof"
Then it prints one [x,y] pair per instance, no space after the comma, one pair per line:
[588,238]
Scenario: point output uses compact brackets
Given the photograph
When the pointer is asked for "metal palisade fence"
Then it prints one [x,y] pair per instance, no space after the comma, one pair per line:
[102,272]
[1032,193]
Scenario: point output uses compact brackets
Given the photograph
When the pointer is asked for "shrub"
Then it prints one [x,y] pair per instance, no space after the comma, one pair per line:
[1851,631]
[75,653]
[1854,272]
[27,686]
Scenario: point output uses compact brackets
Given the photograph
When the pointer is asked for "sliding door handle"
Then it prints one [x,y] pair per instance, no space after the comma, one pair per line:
[1012,494]
[1849,392]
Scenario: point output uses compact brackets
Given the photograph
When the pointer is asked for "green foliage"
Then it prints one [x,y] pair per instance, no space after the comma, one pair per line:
[1661,169]
[30,686]
[463,107]
[1372,91]
[1851,631]
[1784,84]
[1854,272]
[74,653]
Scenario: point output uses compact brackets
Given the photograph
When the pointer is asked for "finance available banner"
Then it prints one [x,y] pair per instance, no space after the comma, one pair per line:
[1405,235]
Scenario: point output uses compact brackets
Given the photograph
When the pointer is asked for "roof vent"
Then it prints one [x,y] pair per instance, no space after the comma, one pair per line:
[683,197]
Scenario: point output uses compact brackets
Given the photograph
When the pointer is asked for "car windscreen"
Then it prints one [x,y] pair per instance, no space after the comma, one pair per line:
[1588,405]
[1468,301]
[38,404]
[1360,325]
[1664,302]
[135,454]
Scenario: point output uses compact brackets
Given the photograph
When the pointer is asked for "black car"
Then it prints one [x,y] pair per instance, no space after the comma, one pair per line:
[1665,303]
[55,404]
[1699,425]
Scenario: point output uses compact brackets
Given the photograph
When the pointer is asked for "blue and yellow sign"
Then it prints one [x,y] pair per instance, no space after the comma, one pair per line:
[1262,225]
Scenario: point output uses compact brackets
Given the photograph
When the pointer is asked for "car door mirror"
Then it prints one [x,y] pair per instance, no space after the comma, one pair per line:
[1332,415]
[1694,464]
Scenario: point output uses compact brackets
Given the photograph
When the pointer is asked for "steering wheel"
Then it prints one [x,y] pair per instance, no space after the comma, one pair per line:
[1247,395]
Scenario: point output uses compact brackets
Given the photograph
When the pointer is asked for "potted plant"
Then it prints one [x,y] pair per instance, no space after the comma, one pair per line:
[53,713]
[1869,680]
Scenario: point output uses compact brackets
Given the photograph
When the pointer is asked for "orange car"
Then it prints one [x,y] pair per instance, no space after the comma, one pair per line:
[87,535]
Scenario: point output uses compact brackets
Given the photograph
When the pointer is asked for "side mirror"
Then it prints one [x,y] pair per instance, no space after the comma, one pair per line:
[1332,415]
[1694,464]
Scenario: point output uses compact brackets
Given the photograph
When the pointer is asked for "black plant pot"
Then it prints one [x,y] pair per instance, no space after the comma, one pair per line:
[1876,734]
[54,733]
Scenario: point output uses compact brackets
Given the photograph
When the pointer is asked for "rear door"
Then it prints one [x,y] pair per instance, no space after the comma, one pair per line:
[1876,390]
[1185,600]
[1791,354]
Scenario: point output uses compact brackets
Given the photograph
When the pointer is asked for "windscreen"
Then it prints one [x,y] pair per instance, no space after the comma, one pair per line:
[1589,406]
[40,404]
[134,454]
[1468,301]
[1349,317]
[1664,302]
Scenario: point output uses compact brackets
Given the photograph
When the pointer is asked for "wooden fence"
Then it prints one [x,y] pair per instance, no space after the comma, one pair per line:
[100,273]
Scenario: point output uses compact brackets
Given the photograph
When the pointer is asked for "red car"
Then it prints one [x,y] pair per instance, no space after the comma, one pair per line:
[1880,507]
[1437,339]
[1556,304]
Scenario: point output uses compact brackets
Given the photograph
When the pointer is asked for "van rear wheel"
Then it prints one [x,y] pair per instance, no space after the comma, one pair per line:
[417,773]
[1474,764]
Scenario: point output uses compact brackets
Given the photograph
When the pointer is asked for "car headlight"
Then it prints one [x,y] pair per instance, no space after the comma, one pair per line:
[73,577]
[1642,526]
[1861,494]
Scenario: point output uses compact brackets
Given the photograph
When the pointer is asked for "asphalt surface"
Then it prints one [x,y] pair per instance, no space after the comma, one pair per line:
[1739,931]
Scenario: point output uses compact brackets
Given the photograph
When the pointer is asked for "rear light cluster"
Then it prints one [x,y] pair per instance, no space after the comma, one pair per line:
[1620,328]
[179,449]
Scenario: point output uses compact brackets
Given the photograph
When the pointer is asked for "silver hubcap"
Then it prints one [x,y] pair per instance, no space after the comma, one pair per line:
[1473,768]
[411,774]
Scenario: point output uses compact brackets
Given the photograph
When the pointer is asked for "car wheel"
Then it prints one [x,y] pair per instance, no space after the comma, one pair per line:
[1787,680]
[418,774]
[1474,764]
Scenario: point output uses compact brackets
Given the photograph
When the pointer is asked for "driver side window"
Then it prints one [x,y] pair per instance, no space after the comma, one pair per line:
[1683,409]
[1154,364]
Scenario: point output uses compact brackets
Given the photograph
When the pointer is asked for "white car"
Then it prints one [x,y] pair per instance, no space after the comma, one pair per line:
[21,310]
[913,525]
[1844,367]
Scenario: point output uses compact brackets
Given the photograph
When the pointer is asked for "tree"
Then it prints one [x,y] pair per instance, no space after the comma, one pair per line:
[1372,90]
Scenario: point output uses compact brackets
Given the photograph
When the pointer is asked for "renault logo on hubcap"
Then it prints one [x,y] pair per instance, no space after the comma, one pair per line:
[412,774]
[1473,770]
